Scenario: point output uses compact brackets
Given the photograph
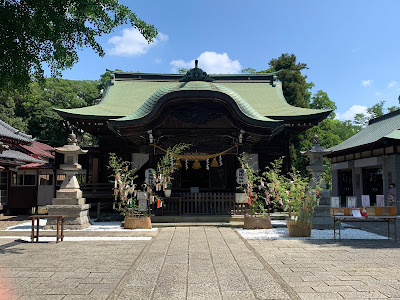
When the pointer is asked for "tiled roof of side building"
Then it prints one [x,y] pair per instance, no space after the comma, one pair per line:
[387,126]
[8,132]
[39,149]
[17,155]
[127,95]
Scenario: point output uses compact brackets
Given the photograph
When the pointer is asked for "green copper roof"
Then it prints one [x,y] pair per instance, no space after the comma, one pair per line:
[387,126]
[395,135]
[268,100]
[133,95]
[193,86]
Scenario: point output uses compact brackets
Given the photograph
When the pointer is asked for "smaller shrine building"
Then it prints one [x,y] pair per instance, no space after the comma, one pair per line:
[368,163]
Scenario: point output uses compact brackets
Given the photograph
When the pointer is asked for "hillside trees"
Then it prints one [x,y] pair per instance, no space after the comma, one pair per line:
[32,111]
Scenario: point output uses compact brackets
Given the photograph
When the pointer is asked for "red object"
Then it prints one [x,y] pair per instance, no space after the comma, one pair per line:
[364,213]
[158,203]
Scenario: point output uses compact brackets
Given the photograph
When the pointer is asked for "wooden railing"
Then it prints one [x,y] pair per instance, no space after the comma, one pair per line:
[97,190]
[207,203]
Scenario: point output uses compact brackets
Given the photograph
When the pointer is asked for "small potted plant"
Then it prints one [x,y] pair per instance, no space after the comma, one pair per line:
[298,197]
[126,195]
[258,215]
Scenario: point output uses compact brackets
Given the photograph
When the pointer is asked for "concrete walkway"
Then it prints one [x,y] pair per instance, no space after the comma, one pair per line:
[200,263]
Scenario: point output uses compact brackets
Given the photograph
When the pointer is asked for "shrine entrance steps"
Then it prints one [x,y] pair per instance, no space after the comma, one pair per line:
[205,220]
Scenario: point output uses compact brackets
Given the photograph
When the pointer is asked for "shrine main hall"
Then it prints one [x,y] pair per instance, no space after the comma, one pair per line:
[220,116]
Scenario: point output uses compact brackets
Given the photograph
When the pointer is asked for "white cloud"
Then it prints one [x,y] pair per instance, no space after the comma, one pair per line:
[392,83]
[366,82]
[351,112]
[132,43]
[211,62]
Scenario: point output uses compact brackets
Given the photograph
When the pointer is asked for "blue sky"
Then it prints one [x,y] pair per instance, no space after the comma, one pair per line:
[352,48]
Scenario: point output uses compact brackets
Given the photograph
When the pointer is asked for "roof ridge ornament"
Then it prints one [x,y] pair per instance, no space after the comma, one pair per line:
[196,74]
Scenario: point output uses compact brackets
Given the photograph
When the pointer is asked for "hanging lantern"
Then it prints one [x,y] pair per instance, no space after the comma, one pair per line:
[214,163]
[178,163]
[196,165]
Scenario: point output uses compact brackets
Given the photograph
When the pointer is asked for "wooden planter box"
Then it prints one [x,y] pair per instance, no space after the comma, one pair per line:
[257,222]
[299,228]
[132,222]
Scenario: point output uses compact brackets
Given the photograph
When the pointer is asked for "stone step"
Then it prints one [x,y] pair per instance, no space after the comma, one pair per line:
[208,218]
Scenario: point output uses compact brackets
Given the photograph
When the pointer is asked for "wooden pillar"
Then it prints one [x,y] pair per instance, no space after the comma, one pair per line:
[152,157]
[95,170]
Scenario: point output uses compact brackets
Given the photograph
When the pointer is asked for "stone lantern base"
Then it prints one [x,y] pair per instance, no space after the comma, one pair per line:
[321,218]
[78,216]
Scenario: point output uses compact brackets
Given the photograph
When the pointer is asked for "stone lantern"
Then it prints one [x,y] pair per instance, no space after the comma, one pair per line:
[320,219]
[69,199]
[316,154]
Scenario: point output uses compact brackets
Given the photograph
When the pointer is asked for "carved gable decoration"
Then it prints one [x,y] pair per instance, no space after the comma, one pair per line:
[196,74]
[196,115]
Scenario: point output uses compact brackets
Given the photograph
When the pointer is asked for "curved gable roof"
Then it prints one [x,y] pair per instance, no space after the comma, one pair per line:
[257,96]
[194,87]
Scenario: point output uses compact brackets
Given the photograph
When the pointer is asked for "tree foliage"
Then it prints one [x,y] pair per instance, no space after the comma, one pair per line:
[320,100]
[375,111]
[34,32]
[32,111]
[295,87]
[248,71]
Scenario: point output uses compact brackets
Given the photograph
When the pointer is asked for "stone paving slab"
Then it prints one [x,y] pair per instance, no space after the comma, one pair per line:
[200,263]
[67,270]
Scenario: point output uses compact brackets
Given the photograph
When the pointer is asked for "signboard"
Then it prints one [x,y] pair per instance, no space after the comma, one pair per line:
[142,205]
[380,200]
[351,201]
[241,198]
[365,201]
[194,190]
[356,213]
[240,176]
[335,201]
[141,196]
[149,176]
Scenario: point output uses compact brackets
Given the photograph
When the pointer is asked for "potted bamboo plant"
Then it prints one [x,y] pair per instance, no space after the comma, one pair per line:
[298,197]
[258,216]
[166,167]
[126,195]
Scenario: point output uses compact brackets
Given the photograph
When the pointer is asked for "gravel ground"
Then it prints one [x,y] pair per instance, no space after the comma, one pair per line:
[7,221]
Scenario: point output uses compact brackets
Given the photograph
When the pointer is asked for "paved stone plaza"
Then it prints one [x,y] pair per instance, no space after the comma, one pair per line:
[200,263]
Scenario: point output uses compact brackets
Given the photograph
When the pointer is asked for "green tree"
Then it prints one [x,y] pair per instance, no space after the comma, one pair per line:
[182,70]
[32,111]
[9,110]
[375,111]
[320,100]
[295,87]
[51,32]
[393,108]
[249,71]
